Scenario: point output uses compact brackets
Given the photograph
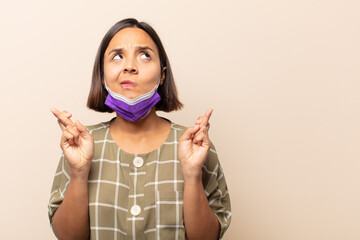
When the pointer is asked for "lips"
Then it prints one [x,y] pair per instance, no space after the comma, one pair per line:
[127,84]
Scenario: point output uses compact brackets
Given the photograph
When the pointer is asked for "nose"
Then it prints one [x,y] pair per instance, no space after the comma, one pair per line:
[130,66]
[130,69]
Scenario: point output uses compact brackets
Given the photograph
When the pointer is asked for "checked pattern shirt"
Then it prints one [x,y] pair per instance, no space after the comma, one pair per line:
[140,196]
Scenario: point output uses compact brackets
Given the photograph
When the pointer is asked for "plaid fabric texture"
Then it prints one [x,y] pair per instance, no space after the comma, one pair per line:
[140,196]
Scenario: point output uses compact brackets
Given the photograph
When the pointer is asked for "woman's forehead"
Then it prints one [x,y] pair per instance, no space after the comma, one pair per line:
[131,38]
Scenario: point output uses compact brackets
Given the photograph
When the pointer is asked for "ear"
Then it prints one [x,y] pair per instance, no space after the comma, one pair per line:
[163,74]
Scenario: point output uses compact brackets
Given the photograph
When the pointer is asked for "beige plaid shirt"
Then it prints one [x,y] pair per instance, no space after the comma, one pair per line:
[140,196]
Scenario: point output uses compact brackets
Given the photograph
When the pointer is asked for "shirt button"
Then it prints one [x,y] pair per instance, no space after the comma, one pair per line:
[138,162]
[135,210]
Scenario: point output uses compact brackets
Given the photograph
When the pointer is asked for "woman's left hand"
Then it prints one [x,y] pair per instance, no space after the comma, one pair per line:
[194,146]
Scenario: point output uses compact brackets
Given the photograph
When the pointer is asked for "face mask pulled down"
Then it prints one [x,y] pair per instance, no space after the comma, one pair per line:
[132,109]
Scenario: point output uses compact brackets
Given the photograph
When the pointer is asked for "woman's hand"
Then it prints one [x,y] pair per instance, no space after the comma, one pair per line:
[194,146]
[76,143]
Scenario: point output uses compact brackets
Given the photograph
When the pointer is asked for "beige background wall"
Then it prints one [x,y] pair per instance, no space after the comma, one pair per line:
[283,77]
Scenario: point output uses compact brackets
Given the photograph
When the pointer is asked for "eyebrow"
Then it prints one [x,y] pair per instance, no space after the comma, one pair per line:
[137,48]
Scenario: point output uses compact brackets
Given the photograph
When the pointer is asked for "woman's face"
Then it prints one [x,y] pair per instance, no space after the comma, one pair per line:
[132,63]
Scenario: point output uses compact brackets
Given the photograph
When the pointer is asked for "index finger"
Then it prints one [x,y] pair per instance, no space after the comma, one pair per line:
[207,116]
[64,120]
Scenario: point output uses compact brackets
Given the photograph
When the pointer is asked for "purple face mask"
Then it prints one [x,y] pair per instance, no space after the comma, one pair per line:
[132,109]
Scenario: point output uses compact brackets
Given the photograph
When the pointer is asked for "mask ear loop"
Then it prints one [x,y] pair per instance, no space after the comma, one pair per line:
[158,84]
[106,87]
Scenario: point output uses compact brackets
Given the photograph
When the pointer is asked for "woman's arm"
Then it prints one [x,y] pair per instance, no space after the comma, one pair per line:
[199,220]
[71,220]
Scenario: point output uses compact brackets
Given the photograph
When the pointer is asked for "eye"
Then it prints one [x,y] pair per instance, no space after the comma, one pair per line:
[117,57]
[145,55]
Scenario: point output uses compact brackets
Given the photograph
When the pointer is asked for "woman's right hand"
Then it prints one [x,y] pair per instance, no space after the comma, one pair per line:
[76,143]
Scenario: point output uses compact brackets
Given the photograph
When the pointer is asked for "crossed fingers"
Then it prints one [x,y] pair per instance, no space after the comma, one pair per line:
[70,130]
[203,122]
[63,118]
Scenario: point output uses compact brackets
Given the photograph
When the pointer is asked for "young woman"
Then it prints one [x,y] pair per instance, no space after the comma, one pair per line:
[137,176]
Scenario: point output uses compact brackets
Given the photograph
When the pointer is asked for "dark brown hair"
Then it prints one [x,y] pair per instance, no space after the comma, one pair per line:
[167,90]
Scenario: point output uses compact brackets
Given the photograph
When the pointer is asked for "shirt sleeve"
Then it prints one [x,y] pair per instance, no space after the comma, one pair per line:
[59,187]
[216,190]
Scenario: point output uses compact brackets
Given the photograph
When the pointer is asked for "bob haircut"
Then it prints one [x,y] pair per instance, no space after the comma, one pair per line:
[167,90]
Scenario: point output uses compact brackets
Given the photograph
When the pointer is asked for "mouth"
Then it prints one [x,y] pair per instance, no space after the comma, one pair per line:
[127,84]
